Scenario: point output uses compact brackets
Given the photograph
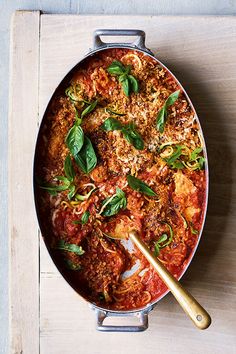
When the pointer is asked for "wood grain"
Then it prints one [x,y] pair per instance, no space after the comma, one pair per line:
[192,47]
[24,247]
[201,52]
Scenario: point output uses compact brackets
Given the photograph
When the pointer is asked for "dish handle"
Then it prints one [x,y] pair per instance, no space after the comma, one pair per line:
[141,315]
[138,43]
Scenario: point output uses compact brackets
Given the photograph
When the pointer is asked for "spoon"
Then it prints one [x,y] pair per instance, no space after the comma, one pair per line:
[189,304]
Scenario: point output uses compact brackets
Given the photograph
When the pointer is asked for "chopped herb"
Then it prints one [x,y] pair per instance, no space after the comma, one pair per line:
[67,182]
[111,124]
[86,159]
[89,109]
[84,218]
[69,169]
[112,205]
[128,82]
[162,115]
[72,266]
[129,131]
[132,136]
[193,231]
[140,186]
[75,139]
[70,247]
[163,241]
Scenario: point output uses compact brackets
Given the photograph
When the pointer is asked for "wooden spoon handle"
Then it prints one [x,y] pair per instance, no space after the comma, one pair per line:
[193,309]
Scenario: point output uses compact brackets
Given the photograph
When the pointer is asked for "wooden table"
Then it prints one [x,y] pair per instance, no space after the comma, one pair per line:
[47,316]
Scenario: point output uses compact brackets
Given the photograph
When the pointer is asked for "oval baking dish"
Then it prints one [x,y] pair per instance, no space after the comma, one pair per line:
[120,146]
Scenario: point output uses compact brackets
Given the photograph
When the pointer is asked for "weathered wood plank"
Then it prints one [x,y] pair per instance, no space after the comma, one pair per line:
[23,234]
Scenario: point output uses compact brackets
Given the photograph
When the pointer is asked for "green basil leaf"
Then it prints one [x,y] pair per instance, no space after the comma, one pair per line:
[54,188]
[72,191]
[177,165]
[116,68]
[75,139]
[108,110]
[163,241]
[89,109]
[126,86]
[132,136]
[162,114]
[176,154]
[111,124]
[161,117]
[201,162]
[140,186]
[69,169]
[86,159]
[163,238]
[195,153]
[70,247]
[156,249]
[133,83]
[112,205]
[62,179]
[172,98]
[85,217]
[72,266]
[193,230]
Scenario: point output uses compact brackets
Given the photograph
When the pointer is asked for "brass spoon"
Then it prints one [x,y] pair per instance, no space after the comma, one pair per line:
[193,309]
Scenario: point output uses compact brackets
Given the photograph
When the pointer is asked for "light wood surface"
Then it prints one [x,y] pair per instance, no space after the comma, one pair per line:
[201,52]
[23,230]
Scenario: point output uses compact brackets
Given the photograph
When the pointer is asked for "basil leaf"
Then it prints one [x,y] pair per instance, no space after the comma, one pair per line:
[112,205]
[132,136]
[195,153]
[89,109]
[86,159]
[201,162]
[162,114]
[62,179]
[72,266]
[176,154]
[54,188]
[177,164]
[163,241]
[85,217]
[193,231]
[116,68]
[69,169]
[126,86]
[108,110]
[163,238]
[72,191]
[75,139]
[156,249]
[70,247]
[140,186]
[133,83]
[172,98]
[111,124]
[161,117]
